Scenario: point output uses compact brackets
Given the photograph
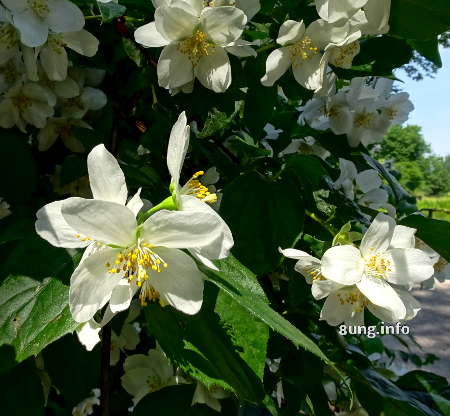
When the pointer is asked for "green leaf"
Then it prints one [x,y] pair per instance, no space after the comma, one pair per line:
[201,347]
[33,314]
[436,233]
[428,49]
[420,380]
[240,284]
[111,11]
[419,19]
[263,216]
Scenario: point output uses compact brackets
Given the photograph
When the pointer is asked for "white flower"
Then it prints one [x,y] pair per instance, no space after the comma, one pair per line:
[35,18]
[396,108]
[26,103]
[271,132]
[305,146]
[9,40]
[4,209]
[61,127]
[210,396]
[195,41]
[86,407]
[195,196]
[146,374]
[306,50]
[11,72]
[53,55]
[375,265]
[334,11]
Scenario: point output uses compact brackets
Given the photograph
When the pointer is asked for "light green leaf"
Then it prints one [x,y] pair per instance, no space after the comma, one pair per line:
[33,314]
[240,284]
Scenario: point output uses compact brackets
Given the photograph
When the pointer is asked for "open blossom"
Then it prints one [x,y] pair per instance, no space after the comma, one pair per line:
[34,19]
[4,208]
[144,374]
[195,41]
[194,196]
[26,103]
[373,276]
[210,396]
[307,51]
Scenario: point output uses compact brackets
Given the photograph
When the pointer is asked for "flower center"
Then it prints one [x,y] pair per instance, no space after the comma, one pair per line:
[303,50]
[136,264]
[154,383]
[196,188]
[196,47]
[391,113]
[353,297]
[40,8]
[363,119]
[343,56]
[21,101]
[378,266]
[8,35]
[314,272]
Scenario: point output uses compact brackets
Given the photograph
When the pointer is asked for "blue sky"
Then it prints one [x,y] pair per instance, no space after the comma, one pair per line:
[431,98]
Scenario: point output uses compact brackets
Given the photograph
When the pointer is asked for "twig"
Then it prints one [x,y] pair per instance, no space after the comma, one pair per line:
[104,386]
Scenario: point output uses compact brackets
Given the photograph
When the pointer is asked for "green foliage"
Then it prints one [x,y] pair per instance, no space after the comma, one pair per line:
[33,314]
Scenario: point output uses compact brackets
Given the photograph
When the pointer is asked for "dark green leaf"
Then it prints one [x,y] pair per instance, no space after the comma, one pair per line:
[436,233]
[428,49]
[241,285]
[33,314]
[263,216]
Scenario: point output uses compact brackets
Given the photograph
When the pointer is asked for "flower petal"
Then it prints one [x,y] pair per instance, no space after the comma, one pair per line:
[290,32]
[223,25]
[181,229]
[149,36]
[64,16]
[52,226]
[343,264]
[106,178]
[91,285]
[322,288]
[334,312]
[278,62]
[54,62]
[221,246]
[368,180]
[174,68]
[177,148]
[380,293]
[181,283]
[403,237]
[292,253]
[82,42]
[102,221]
[88,334]
[409,265]
[378,236]
[121,296]
[135,204]
[176,21]
[214,70]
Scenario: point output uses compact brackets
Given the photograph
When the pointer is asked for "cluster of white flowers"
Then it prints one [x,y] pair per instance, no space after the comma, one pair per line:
[4,208]
[38,86]
[333,39]
[122,256]
[363,111]
[197,37]
[365,187]
[376,276]
[145,374]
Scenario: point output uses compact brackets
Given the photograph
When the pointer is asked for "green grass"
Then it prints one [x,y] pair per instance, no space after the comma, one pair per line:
[441,202]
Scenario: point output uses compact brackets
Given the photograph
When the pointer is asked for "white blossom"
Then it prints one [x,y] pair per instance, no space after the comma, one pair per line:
[35,18]
[195,41]
[4,209]
[307,51]
[144,374]
[86,407]
[209,396]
